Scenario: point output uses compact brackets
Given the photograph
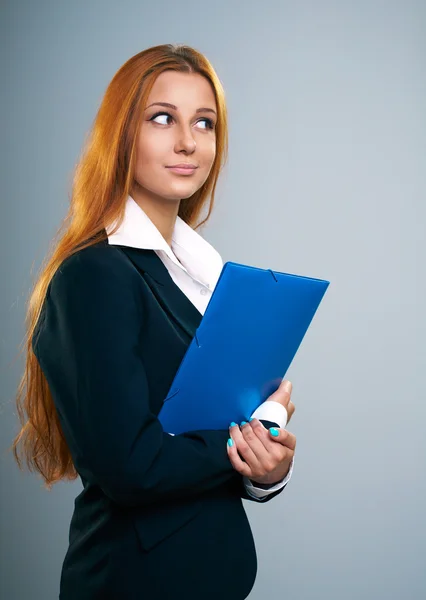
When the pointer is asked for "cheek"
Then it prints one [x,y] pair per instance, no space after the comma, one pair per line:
[150,160]
[150,151]
[207,155]
[211,149]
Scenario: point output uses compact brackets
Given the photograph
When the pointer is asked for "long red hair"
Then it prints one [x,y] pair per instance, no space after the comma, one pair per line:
[101,184]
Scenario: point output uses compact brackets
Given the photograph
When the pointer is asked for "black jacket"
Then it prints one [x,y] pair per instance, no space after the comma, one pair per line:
[159,516]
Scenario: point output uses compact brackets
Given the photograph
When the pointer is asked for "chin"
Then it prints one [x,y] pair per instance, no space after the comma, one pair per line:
[181,194]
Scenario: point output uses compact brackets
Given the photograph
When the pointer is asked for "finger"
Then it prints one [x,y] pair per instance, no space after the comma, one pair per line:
[275,451]
[255,442]
[240,466]
[290,410]
[243,447]
[283,437]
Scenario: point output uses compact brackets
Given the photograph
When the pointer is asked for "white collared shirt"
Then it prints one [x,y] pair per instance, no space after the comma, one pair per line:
[195,266]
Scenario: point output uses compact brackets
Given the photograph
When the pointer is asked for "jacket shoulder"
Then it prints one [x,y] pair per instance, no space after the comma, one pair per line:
[96,255]
[98,264]
[99,256]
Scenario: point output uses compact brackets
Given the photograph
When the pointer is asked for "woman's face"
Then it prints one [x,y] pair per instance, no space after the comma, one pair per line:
[179,134]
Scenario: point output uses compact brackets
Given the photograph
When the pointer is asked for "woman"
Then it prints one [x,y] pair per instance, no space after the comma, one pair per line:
[109,321]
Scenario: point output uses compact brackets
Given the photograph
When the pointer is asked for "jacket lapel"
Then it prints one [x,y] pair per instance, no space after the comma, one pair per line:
[179,308]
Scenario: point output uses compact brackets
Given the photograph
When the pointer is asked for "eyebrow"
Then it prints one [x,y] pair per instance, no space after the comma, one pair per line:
[168,105]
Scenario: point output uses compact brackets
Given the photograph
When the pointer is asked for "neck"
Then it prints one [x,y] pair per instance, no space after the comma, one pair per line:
[163,213]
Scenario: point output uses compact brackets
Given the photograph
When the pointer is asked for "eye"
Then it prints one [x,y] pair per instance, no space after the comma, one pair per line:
[160,115]
[210,124]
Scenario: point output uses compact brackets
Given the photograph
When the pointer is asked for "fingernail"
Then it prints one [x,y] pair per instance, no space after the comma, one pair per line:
[251,418]
[243,423]
[274,431]
[232,424]
[230,442]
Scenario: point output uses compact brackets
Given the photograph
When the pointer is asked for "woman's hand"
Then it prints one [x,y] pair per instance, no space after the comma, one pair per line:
[283,396]
[264,458]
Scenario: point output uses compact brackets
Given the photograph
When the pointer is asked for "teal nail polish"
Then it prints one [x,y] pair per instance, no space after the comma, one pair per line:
[251,418]
[274,431]
[230,442]
[232,424]
[243,423]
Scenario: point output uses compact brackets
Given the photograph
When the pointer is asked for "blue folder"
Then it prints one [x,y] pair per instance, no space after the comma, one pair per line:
[246,340]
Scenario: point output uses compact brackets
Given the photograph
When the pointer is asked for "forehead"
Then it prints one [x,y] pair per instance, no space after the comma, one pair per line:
[183,90]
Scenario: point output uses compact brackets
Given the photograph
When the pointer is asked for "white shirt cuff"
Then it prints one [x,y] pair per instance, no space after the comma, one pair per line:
[259,492]
[271,411]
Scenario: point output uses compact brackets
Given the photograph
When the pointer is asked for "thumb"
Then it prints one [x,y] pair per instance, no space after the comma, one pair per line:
[283,393]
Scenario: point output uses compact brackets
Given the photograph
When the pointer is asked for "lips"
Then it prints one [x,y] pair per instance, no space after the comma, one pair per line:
[182,166]
[184,171]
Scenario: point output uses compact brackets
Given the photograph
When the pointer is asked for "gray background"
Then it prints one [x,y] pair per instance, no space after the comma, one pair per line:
[326,178]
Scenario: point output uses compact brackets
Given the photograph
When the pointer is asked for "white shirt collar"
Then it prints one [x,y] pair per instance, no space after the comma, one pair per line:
[188,249]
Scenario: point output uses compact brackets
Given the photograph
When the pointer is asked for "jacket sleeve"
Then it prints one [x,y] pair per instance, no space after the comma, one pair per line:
[88,345]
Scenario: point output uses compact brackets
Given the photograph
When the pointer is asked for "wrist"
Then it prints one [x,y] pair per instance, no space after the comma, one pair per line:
[270,480]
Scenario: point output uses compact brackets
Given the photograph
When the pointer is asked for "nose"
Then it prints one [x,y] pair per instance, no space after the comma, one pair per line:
[185,140]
